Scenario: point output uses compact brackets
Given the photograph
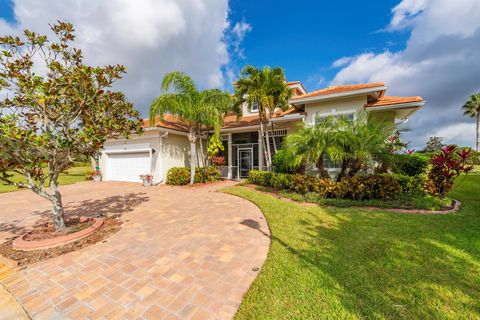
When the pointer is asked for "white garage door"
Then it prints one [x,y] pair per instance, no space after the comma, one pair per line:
[128,166]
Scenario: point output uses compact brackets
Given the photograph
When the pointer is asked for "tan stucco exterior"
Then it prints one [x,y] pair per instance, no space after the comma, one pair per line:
[331,107]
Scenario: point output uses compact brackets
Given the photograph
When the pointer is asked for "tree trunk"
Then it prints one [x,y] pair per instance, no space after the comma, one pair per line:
[269,154]
[321,166]
[201,163]
[302,169]
[193,154]
[273,139]
[343,170]
[262,141]
[58,212]
[478,132]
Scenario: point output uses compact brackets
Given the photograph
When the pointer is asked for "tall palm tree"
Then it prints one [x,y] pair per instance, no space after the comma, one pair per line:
[196,109]
[472,109]
[218,104]
[268,90]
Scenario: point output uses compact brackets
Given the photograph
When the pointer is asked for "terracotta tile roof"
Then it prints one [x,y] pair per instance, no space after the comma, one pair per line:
[339,89]
[389,100]
[232,121]
[297,90]
[169,122]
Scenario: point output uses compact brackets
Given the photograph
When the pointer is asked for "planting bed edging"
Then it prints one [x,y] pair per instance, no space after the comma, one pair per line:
[21,244]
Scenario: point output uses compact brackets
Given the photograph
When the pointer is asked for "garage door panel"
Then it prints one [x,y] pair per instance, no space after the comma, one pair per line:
[128,166]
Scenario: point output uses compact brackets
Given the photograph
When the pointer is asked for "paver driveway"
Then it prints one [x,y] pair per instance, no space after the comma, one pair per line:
[182,253]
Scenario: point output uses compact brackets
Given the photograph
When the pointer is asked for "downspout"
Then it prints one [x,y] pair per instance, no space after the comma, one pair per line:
[160,154]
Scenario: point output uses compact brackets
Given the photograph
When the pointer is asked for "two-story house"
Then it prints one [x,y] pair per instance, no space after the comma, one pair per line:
[165,145]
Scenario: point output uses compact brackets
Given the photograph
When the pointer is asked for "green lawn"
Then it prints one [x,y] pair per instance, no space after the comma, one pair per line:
[75,174]
[328,263]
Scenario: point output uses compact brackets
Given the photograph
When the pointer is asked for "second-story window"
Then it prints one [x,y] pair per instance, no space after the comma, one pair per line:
[350,117]
[254,107]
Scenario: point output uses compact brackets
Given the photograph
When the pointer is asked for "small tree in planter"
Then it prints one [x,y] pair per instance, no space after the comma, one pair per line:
[147,179]
[96,176]
[446,167]
[215,145]
[49,119]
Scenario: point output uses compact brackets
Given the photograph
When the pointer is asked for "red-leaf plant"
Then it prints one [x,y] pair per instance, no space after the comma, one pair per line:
[446,167]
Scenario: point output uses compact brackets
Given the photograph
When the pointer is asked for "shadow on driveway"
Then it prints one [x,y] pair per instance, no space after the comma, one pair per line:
[109,206]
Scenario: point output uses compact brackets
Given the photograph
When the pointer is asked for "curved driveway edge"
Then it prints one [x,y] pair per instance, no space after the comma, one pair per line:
[9,307]
[183,253]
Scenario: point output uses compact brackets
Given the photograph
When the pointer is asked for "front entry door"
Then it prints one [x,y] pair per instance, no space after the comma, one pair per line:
[245,159]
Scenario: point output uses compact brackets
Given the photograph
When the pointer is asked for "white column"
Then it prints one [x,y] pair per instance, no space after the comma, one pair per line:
[260,151]
[230,156]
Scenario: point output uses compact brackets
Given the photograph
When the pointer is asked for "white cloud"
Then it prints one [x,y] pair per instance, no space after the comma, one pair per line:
[460,133]
[316,80]
[239,31]
[440,63]
[342,61]
[405,12]
[149,37]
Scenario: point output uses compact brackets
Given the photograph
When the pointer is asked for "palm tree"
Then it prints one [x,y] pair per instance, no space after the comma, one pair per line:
[218,104]
[311,144]
[198,110]
[268,90]
[472,109]
[359,143]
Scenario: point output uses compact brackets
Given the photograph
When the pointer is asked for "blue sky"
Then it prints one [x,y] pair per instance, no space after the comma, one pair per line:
[306,37]
[428,48]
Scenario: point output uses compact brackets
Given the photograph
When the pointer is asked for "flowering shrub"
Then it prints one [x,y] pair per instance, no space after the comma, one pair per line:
[178,176]
[355,188]
[147,177]
[280,181]
[261,178]
[368,187]
[207,174]
[218,161]
[446,166]
[302,183]
[92,174]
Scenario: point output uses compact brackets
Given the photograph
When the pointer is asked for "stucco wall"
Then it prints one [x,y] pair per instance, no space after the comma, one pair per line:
[352,104]
[176,153]
[245,111]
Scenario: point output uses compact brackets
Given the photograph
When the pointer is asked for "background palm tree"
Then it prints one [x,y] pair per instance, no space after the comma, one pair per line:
[198,110]
[268,90]
[472,109]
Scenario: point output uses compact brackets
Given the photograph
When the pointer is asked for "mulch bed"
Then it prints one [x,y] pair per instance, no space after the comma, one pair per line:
[47,230]
[110,226]
[450,209]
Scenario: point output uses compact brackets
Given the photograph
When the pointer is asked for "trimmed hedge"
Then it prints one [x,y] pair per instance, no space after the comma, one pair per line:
[367,187]
[178,176]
